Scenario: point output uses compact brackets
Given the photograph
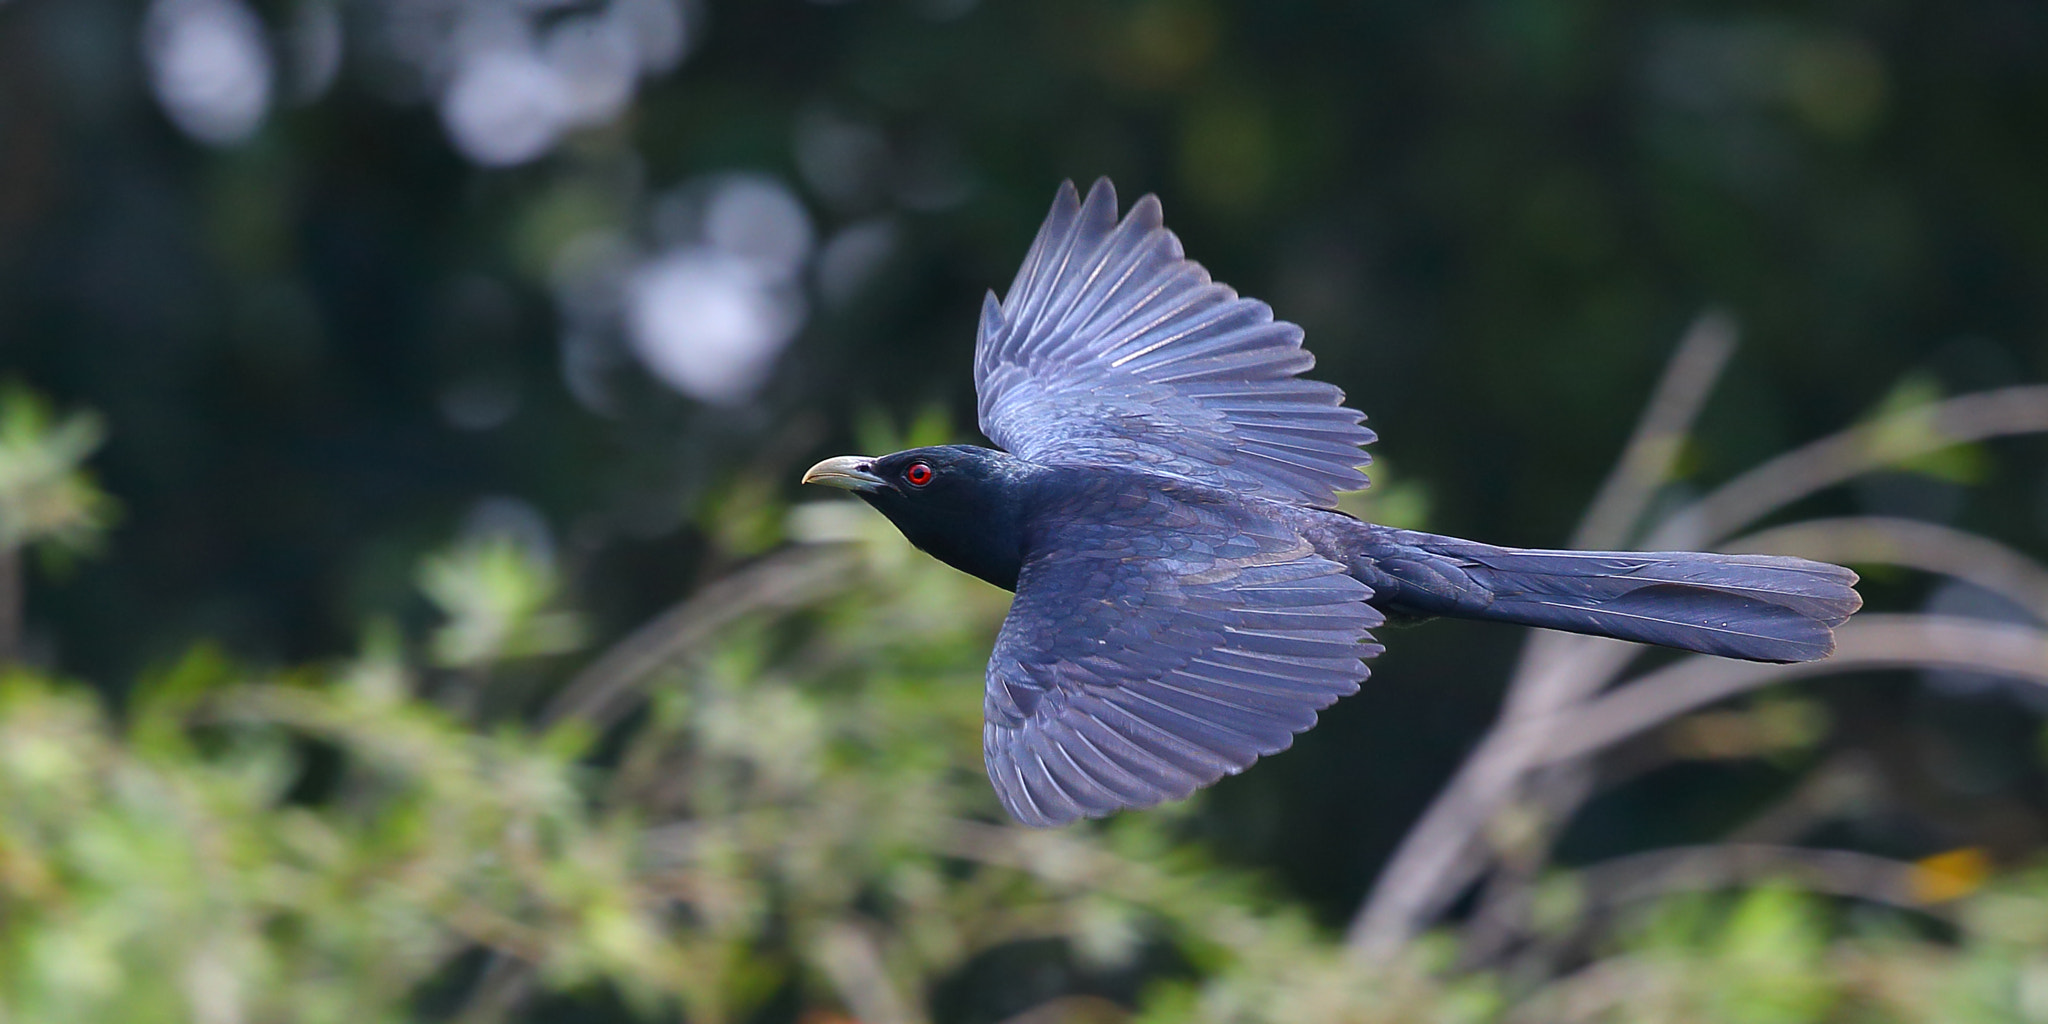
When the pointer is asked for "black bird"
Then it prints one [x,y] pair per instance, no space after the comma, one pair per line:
[1188,597]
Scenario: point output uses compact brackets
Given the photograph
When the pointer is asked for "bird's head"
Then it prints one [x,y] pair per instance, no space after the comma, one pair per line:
[958,502]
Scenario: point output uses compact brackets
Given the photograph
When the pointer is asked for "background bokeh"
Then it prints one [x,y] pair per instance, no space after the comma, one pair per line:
[558,297]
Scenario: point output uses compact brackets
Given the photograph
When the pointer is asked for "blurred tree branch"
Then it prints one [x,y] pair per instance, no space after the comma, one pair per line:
[1551,716]
[605,691]
[1912,544]
[1886,441]
[1869,641]
[1647,460]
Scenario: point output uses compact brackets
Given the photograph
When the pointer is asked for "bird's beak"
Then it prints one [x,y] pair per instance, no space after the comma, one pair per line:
[847,472]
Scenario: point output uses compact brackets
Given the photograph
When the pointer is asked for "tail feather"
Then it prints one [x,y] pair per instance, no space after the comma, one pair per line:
[1755,607]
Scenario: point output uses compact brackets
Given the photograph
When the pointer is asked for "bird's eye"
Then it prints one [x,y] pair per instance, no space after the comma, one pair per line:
[918,474]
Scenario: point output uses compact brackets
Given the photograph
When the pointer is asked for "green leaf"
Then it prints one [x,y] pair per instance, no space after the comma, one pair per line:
[46,496]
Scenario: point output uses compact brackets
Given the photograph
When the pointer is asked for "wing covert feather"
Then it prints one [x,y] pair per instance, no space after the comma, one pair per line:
[1112,348]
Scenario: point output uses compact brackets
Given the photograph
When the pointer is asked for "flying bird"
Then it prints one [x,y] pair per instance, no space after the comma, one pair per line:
[1163,504]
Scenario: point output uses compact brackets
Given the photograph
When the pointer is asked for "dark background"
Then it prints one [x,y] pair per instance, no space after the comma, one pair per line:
[1493,219]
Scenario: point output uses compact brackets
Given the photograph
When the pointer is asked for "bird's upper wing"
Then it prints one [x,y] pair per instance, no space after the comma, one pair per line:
[1111,348]
[1158,643]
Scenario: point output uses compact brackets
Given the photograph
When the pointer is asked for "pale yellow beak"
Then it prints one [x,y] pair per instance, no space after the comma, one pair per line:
[846,472]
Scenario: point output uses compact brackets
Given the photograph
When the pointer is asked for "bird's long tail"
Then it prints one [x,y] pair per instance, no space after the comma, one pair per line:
[1756,607]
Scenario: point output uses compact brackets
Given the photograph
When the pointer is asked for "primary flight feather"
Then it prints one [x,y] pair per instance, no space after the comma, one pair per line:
[1163,506]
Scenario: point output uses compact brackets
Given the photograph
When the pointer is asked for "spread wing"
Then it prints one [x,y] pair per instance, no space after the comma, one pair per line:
[1154,650]
[1111,348]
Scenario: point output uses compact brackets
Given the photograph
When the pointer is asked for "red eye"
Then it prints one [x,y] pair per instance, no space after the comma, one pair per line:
[918,474]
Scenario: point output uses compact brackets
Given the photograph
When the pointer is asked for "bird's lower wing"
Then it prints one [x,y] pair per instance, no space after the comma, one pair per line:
[1140,663]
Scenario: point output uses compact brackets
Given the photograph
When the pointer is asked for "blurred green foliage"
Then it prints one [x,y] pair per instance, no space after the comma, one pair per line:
[325,844]
[47,499]
[494,593]
[798,819]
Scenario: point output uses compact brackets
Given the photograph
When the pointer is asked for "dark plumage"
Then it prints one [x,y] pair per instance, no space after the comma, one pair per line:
[1187,596]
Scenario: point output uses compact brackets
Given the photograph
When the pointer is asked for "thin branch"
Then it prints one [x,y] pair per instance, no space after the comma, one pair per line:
[1441,854]
[1839,457]
[1609,885]
[1431,878]
[1444,852]
[1864,643]
[1913,544]
[1590,992]
[1072,1010]
[505,983]
[605,691]
[852,959]
[1559,668]
[1846,777]
[1646,462]
[1063,861]
[1506,898]
[1540,680]
[1656,873]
